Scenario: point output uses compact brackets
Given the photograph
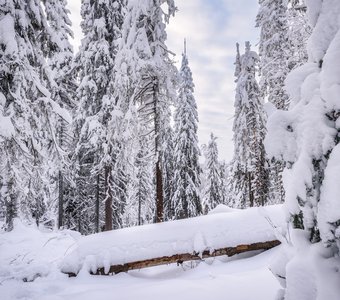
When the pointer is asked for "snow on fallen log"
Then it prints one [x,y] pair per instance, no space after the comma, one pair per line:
[149,245]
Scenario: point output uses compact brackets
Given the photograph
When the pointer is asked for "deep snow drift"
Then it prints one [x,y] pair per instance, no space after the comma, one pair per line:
[35,255]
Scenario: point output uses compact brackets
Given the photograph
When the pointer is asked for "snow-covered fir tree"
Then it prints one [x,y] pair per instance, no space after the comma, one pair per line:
[151,76]
[61,54]
[99,151]
[275,53]
[273,50]
[186,199]
[28,104]
[307,139]
[212,181]
[60,58]
[248,175]
[299,31]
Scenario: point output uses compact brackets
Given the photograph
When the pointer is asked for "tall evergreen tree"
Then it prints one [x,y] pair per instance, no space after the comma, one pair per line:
[276,55]
[60,58]
[98,150]
[186,198]
[248,178]
[273,50]
[212,182]
[25,87]
[298,31]
[151,76]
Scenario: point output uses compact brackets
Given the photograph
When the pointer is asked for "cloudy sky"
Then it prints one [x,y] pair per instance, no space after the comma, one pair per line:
[211,27]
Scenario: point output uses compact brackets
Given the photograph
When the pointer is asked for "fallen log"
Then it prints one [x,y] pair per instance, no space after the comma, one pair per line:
[175,241]
[180,258]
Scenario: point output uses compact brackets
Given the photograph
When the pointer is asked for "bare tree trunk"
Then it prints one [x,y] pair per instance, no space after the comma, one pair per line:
[97,205]
[60,200]
[159,190]
[11,206]
[10,195]
[60,180]
[79,225]
[139,209]
[251,194]
[159,177]
[108,201]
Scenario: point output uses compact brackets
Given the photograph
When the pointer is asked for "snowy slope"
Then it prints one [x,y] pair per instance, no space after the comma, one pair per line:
[169,238]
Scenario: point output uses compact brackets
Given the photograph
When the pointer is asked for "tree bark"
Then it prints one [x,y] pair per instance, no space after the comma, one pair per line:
[139,209]
[180,258]
[108,201]
[97,205]
[159,175]
[251,194]
[11,206]
[159,187]
[60,200]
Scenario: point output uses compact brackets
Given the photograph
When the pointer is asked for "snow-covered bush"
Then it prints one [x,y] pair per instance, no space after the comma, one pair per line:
[306,137]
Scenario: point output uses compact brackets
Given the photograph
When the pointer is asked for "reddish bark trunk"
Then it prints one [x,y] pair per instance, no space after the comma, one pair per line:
[108,201]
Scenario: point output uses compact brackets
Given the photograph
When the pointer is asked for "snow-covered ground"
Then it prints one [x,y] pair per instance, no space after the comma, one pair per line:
[31,258]
[220,278]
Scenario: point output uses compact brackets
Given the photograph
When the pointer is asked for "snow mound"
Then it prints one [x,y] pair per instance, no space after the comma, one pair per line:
[221,208]
[211,232]
[28,252]
[312,270]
